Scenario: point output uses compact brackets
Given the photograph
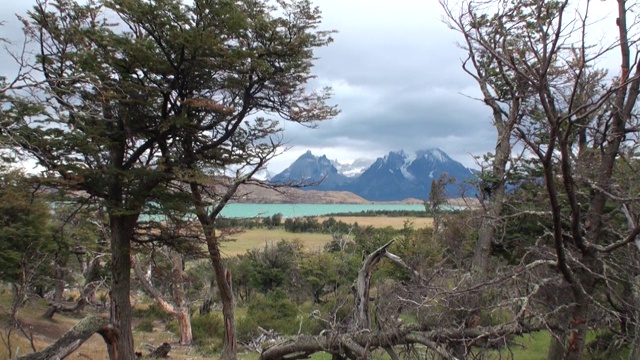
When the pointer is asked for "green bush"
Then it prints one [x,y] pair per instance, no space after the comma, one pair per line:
[145,326]
[173,327]
[206,328]
[246,329]
[279,314]
[275,311]
[207,331]
[152,312]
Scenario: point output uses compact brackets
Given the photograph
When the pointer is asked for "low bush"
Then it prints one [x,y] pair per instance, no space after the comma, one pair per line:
[152,312]
[145,326]
[206,328]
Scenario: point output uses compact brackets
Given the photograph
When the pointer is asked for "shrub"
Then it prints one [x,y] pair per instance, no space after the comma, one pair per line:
[275,312]
[206,328]
[246,329]
[145,325]
[152,312]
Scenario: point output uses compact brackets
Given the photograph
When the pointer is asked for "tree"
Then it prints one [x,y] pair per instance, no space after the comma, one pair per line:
[25,236]
[581,127]
[137,95]
[438,198]
[487,49]
[177,306]
[78,231]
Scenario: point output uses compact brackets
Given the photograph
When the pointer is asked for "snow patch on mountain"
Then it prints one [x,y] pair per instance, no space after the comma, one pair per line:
[353,169]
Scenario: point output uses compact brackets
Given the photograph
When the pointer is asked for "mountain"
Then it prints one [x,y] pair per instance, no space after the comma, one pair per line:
[399,175]
[394,177]
[316,173]
[354,169]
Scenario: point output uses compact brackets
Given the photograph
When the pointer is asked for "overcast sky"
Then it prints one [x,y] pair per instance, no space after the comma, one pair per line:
[396,73]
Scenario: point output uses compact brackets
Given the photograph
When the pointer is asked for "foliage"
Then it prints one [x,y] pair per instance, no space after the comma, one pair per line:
[274,266]
[152,312]
[145,325]
[206,328]
[25,233]
[275,311]
[132,96]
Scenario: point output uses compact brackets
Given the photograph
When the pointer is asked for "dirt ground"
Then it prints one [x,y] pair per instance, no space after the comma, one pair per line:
[45,331]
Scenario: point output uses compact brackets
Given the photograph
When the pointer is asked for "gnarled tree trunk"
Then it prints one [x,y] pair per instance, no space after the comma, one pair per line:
[73,338]
[179,309]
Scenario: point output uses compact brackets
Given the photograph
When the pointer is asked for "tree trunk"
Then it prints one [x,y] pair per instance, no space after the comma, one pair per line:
[494,203]
[91,281]
[578,331]
[71,340]
[183,313]
[180,309]
[64,308]
[161,351]
[223,280]
[122,228]
[184,322]
[363,285]
[59,281]
[556,347]
[635,344]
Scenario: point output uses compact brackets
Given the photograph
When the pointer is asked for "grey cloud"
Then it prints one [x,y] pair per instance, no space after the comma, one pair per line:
[395,69]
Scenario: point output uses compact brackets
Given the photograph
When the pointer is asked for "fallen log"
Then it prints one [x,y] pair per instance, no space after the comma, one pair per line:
[71,340]
[161,351]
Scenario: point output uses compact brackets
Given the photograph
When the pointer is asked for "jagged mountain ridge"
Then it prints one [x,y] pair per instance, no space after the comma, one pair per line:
[353,169]
[312,172]
[394,177]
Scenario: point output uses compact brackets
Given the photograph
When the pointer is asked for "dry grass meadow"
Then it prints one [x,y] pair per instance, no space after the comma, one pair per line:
[256,238]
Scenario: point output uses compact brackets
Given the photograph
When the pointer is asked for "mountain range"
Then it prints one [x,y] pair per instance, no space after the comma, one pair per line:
[394,177]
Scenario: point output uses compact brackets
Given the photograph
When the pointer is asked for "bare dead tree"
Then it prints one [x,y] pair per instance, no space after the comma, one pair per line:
[581,127]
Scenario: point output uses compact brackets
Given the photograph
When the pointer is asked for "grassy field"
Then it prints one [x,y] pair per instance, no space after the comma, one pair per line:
[256,238]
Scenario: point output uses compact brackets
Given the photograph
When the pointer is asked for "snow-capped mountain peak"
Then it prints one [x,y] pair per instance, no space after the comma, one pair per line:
[434,154]
[396,176]
[353,169]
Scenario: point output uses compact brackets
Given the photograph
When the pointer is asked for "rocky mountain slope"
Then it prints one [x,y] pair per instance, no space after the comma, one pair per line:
[394,177]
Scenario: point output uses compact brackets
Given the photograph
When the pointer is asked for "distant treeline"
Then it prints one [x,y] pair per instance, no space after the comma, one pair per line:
[389,213]
[400,213]
[312,224]
[294,225]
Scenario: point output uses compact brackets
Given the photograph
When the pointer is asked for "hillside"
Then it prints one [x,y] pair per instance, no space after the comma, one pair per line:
[285,195]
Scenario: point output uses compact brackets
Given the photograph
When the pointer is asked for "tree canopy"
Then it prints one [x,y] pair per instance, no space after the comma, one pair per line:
[137,95]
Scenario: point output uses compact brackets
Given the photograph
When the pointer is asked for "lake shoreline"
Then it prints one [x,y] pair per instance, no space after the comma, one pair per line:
[254,210]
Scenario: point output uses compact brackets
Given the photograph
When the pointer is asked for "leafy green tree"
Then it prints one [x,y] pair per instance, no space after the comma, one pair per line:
[438,198]
[274,266]
[318,274]
[26,246]
[137,94]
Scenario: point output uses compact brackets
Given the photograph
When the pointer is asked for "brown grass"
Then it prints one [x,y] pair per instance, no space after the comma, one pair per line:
[45,332]
[256,238]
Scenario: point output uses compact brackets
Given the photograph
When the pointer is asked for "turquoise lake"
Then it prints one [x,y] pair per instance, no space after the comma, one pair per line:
[236,210]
